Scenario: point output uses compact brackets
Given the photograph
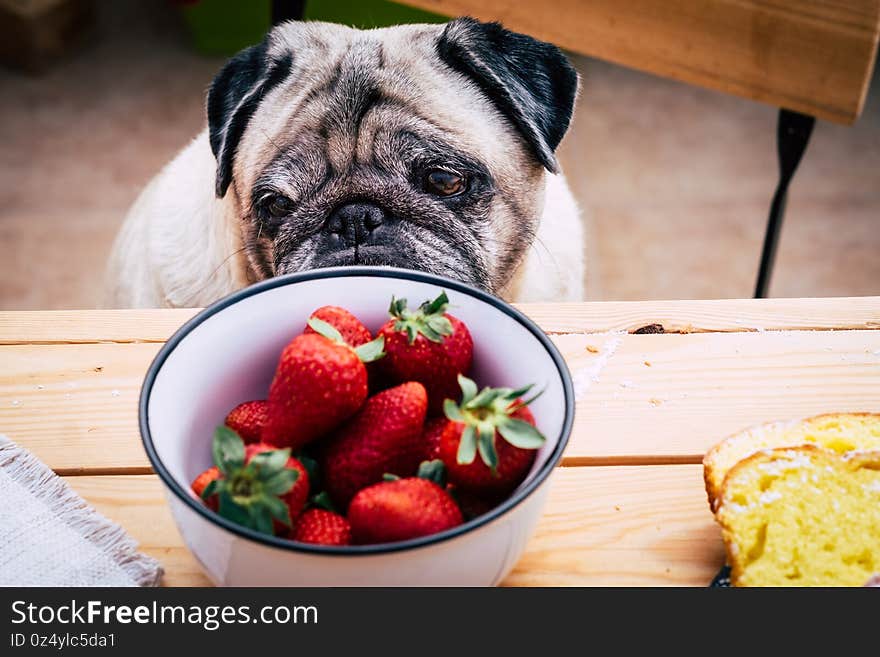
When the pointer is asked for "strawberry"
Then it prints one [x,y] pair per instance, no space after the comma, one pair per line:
[496,423]
[402,509]
[355,334]
[247,420]
[256,485]
[322,527]
[201,482]
[428,346]
[431,435]
[384,436]
[319,383]
[350,327]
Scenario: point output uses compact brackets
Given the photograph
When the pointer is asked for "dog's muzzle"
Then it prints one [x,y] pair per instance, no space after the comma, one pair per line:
[355,224]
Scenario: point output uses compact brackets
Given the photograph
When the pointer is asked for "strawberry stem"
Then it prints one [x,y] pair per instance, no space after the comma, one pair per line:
[429,320]
[250,493]
[488,413]
[433,470]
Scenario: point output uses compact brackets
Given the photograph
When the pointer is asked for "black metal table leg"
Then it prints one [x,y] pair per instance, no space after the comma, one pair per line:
[792,136]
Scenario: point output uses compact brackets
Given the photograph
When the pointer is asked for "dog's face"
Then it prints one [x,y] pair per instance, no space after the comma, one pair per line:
[421,146]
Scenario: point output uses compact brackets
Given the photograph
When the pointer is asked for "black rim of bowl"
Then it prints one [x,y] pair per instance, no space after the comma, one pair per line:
[350,550]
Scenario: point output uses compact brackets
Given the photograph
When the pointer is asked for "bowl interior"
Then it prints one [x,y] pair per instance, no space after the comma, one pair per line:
[230,357]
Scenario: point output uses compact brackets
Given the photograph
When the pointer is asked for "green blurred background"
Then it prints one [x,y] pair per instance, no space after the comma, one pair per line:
[223,27]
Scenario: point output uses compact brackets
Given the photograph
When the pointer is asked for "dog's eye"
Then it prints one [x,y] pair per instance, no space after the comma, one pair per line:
[279,206]
[444,183]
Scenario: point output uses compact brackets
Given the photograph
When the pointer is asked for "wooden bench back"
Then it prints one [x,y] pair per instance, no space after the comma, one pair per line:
[812,56]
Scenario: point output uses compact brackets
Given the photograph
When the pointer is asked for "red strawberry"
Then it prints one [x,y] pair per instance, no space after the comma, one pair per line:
[350,327]
[201,482]
[353,333]
[256,485]
[402,509]
[319,383]
[298,495]
[247,420]
[428,346]
[322,527]
[384,437]
[431,435]
[496,423]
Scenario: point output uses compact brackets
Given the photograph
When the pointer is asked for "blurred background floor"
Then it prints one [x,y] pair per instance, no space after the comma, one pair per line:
[674,181]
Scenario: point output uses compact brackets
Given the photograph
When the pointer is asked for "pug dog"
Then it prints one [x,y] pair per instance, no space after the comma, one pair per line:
[426,147]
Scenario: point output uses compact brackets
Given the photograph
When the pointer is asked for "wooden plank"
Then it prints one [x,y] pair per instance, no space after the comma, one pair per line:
[813,56]
[712,315]
[614,526]
[624,526]
[668,398]
[85,326]
[728,315]
[75,406]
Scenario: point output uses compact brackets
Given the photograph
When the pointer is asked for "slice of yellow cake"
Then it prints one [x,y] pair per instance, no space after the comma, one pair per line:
[802,516]
[839,432]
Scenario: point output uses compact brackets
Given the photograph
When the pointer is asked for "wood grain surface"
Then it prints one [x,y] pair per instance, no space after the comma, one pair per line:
[607,526]
[710,315]
[629,508]
[813,56]
[658,399]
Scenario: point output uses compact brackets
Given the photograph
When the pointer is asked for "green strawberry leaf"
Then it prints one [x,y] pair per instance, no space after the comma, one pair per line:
[486,444]
[311,466]
[433,471]
[452,411]
[278,509]
[486,397]
[437,327]
[322,501]
[327,330]
[270,462]
[430,334]
[428,320]
[397,308]
[468,389]
[230,510]
[437,306]
[281,482]
[227,450]
[467,447]
[261,518]
[521,434]
[210,489]
[389,477]
[371,351]
[519,392]
[532,398]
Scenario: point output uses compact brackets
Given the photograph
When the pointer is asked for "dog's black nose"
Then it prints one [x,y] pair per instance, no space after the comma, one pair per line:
[353,222]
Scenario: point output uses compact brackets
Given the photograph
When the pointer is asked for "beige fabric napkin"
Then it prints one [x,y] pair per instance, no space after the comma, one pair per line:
[50,536]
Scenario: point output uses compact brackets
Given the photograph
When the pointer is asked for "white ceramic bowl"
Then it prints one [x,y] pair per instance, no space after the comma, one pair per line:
[227,354]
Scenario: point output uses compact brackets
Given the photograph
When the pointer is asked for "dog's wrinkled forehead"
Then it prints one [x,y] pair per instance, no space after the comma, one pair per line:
[465,81]
[346,88]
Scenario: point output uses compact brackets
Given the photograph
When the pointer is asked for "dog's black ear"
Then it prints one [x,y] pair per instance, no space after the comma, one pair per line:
[530,82]
[233,98]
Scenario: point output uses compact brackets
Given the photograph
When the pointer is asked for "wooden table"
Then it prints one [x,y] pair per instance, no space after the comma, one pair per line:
[812,56]
[627,507]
